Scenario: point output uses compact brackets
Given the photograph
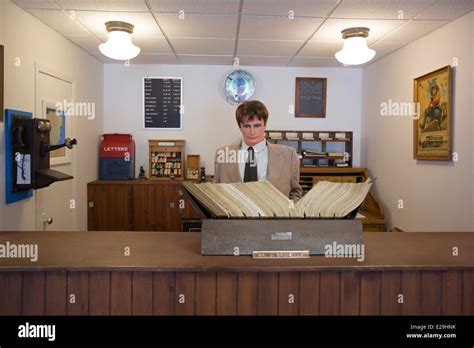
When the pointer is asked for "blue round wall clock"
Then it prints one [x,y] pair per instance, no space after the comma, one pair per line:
[239,86]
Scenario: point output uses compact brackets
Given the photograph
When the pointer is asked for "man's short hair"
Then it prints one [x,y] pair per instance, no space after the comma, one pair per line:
[250,109]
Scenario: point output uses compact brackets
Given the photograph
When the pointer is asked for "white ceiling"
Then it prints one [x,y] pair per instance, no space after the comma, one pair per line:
[259,32]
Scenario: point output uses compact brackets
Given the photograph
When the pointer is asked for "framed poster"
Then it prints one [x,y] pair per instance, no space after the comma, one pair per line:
[60,130]
[310,97]
[432,129]
[162,103]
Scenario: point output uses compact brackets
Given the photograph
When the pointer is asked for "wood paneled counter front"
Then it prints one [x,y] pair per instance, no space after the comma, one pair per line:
[146,273]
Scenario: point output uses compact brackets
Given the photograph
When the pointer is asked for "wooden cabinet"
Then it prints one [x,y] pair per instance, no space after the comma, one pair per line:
[137,205]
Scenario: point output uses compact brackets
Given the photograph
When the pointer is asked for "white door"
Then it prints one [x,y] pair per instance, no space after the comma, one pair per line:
[55,205]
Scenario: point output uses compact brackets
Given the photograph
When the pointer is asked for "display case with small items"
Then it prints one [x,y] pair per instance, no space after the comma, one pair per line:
[317,148]
[166,159]
[192,167]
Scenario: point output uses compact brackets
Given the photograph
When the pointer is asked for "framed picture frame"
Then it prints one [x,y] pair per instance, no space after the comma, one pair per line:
[60,130]
[432,127]
[310,97]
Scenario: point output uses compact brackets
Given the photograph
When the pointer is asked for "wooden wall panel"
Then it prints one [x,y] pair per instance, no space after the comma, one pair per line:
[391,288]
[185,286]
[267,300]
[33,293]
[430,293]
[329,289]
[247,293]
[350,293]
[288,293]
[226,296]
[99,293]
[370,293]
[121,293]
[163,293]
[468,291]
[411,290]
[11,284]
[78,285]
[142,293]
[205,293]
[309,293]
[56,288]
[451,293]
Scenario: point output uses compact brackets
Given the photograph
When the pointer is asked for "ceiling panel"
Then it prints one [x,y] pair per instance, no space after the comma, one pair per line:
[277,28]
[35,4]
[413,31]
[203,46]
[268,48]
[89,43]
[208,26]
[448,9]
[315,62]
[320,49]
[145,25]
[107,5]
[301,8]
[384,48]
[196,6]
[155,59]
[206,60]
[331,29]
[59,21]
[153,45]
[381,9]
[263,60]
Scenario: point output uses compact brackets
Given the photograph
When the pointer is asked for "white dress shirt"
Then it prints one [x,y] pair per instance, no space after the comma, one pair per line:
[261,156]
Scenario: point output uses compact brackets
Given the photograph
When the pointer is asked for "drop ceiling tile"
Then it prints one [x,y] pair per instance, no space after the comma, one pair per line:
[203,26]
[108,5]
[196,6]
[384,48]
[277,28]
[89,43]
[145,25]
[315,62]
[155,59]
[268,48]
[205,60]
[448,9]
[381,9]
[35,4]
[263,61]
[320,49]
[331,29]
[59,21]
[301,8]
[152,45]
[203,46]
[105,59]
[413,30]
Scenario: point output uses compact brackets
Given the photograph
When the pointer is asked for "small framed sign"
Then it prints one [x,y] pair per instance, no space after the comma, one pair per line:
[310,97]
[163,103]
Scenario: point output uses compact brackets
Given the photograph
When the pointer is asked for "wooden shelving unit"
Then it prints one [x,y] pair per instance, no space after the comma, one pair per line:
[334,150]
[166,159]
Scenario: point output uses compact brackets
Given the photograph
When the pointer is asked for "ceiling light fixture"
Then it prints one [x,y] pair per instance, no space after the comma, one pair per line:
[119,45]
[355,50]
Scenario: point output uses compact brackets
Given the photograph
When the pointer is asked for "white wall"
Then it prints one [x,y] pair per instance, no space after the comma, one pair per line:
[437,195]
[32,41]
[209,121]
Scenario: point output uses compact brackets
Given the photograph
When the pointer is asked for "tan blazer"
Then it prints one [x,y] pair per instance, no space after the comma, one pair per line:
[283,169]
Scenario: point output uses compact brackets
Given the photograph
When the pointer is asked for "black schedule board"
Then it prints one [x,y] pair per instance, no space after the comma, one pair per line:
[162,102]
[310,97]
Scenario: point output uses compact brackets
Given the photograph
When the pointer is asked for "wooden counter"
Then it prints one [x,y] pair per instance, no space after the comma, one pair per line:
[165,274]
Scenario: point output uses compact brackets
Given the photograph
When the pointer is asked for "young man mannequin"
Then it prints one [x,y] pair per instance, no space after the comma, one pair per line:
[254,159]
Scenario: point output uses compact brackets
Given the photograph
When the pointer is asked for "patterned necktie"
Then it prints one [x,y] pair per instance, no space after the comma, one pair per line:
[250,173]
